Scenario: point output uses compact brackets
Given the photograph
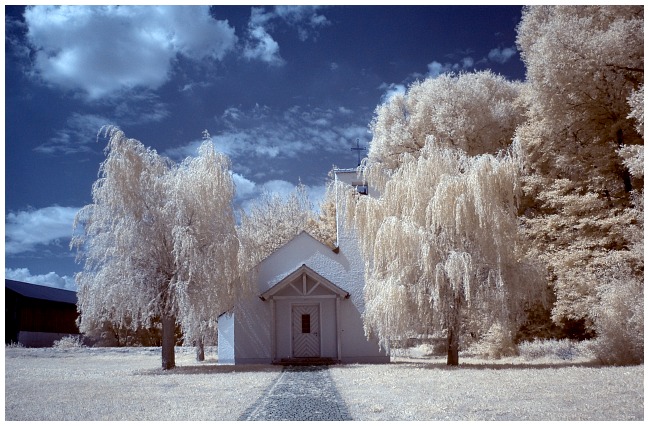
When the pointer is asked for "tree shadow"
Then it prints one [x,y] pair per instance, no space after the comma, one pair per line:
[210,367]
[440,364]
[500,366]
[213,369]
[497,365]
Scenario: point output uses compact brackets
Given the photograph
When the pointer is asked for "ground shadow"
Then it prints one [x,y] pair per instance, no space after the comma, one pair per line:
[499,366]
[440,364]
[212,369]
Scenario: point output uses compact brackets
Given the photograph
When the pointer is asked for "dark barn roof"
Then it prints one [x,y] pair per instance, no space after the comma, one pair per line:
[34,291]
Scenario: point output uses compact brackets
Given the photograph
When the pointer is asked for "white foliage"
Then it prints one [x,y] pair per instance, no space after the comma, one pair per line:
[633,155]
[583,63]
[633,159]
[582,144]
[636,102]
[205,244]
[475,112]
[68,342]
[564,349]
[271,221]
[619,317]
[496,343]
[442,238]
[159,239]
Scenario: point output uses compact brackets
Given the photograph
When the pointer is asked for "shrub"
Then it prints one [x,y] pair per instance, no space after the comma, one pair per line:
[68,342]
[496,343]
[619,319]
[435,347]
[564,349]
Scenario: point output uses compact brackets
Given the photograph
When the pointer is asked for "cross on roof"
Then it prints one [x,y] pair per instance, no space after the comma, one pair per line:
[358,149]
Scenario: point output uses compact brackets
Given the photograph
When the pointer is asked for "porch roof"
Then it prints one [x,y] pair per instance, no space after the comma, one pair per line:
[301,271]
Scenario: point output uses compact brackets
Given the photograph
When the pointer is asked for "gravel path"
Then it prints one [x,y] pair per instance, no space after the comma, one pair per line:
[300,393]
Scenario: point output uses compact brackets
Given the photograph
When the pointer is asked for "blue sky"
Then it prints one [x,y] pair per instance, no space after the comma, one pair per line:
[284,91]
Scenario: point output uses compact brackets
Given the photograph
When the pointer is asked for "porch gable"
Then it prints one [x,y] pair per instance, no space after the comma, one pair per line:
[304,282]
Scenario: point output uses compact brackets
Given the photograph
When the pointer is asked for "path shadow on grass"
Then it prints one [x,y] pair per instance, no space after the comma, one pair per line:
[213,369]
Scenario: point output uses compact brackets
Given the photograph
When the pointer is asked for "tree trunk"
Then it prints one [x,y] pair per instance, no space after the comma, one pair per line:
[626,176]
[200,350]
[168,342]
[453,357]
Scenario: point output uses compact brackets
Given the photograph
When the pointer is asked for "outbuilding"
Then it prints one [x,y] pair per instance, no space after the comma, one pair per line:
[308,304]
[36,315]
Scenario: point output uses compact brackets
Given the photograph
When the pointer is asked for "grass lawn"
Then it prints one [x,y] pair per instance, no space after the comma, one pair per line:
[128,384]
[509,389]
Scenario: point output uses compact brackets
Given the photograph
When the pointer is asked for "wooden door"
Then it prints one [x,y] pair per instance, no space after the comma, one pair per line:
[306,331]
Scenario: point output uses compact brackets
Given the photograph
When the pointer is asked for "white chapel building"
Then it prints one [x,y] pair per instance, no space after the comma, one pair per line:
[308,303]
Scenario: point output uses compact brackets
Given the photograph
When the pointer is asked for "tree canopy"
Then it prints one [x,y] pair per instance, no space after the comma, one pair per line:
[467,221]
[475,112]
[158,242]
[582,143]
[441,241]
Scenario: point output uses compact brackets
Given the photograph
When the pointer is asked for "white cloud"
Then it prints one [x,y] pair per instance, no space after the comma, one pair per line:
[274,187]
[316,195]
[501,55]
[391,90]
[190,87]
[179,153]
[79,132]
[467,62]
[352,133]
[259,17]
[260,139]
[140,108]
[279,187]
[436,68]
[245,188]
[261,132]
[25,230]
[51,279]
[101,50]
[232,113]
[301,14]
[304,18]
[260,45]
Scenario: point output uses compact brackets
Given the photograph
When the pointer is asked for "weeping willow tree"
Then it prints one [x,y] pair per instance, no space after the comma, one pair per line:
[158,242]
[440,245]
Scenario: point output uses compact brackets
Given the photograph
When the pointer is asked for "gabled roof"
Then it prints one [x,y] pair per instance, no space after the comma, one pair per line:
[41,292]
[303,235]
[304,270]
